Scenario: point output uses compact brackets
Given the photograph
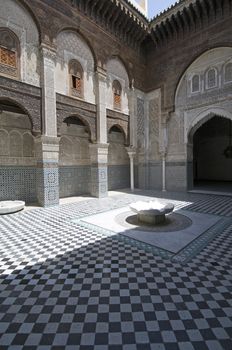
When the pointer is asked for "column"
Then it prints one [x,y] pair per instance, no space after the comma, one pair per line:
[131,153]
[132,112]
[47,146]
[47,180]
[163,148]
[99,178]
[99,150]
[101,105]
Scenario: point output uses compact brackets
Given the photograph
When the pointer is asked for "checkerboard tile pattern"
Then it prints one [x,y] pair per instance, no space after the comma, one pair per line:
[63,286]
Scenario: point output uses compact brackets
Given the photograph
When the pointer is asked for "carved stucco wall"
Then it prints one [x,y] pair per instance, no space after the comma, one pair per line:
[71,46]
[140,124]
[16,140]
[74,161]
[74,146]
[118,162]
[154,128]
[192,109]
[17,158]
[16,18]
[117,71]
[117,151]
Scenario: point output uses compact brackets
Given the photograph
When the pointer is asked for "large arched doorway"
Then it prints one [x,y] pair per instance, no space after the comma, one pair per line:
[118,160]
[74,160]
[17,154]
[212,159]
[198,132]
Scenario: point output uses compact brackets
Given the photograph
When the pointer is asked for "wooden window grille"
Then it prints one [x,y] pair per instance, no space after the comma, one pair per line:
[9,50]
[117,92]
[76,73]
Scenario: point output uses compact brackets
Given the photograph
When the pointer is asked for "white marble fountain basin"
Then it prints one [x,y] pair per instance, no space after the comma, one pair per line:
[152,212]
[8,207]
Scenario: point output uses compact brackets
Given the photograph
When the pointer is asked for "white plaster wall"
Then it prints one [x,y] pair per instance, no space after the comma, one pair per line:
[71,46]
[15,17]
[117,71]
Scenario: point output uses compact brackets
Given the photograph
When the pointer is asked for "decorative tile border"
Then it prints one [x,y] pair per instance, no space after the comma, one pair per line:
[133,242]
[191,250]
[182,257]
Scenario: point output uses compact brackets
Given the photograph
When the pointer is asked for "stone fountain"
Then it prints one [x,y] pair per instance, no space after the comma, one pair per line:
[9,207]
[153,212]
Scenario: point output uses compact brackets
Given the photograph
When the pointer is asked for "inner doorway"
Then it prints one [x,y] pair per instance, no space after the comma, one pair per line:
[212,159]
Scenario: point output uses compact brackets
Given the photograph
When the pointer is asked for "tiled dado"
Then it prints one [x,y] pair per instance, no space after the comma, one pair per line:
[74,180]
[18,183]
[47,183]
[119,176]
[99,181]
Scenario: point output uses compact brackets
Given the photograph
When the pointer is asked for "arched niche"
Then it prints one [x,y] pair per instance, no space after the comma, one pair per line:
[74,160]
[116,71]
[17,18]
[209,141]
[118,160]
[71,46]
[17,153]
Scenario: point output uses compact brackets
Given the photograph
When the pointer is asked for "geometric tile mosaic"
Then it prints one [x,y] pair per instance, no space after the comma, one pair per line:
[66,287]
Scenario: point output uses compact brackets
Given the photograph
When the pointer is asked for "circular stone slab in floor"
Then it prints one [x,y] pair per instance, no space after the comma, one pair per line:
[174,222]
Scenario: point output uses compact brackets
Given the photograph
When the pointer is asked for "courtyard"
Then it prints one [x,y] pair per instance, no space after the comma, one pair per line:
[75,276]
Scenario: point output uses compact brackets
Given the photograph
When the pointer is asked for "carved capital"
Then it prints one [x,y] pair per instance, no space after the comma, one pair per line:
[131,151]
[101,73]
[48,52]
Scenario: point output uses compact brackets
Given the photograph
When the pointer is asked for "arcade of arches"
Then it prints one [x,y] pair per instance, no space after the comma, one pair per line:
[77,114]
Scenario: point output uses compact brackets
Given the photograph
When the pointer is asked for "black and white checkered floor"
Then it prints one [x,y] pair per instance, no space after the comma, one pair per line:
[66,287]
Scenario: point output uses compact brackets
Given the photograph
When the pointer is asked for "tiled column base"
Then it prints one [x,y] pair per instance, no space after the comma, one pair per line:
[47,177]
[47,181]
[99,176]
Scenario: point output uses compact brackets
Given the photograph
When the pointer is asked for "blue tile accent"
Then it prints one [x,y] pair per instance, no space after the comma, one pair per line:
[48,186]
[18,183]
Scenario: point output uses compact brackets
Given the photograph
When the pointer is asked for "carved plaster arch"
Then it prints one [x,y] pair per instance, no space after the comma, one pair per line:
[125,75]
[82,36]
[124,64]
[122,126]
[195,59]
[29,9]
[86,121]
[202,118]
[16,102]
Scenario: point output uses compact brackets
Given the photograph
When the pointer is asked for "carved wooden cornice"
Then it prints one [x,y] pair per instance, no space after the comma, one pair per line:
[116,16]
[185,16]
[123,20]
